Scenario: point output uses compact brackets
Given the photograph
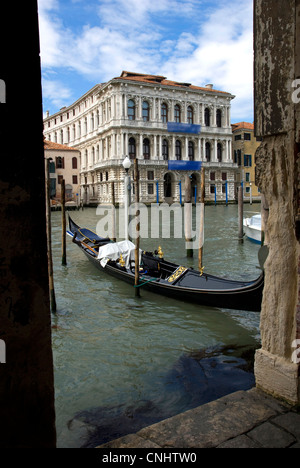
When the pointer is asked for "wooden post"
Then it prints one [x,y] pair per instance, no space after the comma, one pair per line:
[137,242]
[49,247]
[201,227]
[113,201]
[188,214]
[241,214]
[63,214]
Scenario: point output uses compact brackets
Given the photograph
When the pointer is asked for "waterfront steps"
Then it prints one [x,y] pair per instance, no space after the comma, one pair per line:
[245,419]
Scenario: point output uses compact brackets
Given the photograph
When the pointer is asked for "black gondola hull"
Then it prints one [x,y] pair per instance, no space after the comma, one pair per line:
[246,298]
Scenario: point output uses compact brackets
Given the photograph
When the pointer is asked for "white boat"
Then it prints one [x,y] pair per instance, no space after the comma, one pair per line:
[252,228]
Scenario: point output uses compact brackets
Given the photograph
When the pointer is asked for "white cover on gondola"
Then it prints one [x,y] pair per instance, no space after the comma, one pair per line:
[114,251]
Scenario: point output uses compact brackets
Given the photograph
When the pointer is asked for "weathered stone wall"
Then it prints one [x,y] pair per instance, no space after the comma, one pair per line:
[276,61]
[27,417]
[275,176]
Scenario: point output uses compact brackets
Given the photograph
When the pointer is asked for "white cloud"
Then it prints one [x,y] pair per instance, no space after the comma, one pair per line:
[56,91]
[135,14]
[141,36]
[49,5]
[223,55]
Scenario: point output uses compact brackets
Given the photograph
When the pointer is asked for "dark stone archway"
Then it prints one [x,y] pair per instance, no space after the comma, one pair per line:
[26,378]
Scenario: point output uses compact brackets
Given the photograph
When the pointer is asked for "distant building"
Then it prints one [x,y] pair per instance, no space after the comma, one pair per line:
[155,120]
[65,165]
[245,145]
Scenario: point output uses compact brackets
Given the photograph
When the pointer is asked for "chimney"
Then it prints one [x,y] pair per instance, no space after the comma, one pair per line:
[209,86]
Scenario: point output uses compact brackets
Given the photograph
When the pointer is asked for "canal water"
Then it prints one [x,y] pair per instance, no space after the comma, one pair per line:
[122,362]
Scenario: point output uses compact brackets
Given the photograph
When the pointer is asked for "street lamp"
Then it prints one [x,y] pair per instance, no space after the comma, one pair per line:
[126,164]
[127,192]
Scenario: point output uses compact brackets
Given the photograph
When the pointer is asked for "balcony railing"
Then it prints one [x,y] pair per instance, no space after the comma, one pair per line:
[116,162]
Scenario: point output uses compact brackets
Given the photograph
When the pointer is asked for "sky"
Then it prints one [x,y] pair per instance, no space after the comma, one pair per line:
[196,41]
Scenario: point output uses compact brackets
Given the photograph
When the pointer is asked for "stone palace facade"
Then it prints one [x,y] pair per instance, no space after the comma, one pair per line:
[130,116]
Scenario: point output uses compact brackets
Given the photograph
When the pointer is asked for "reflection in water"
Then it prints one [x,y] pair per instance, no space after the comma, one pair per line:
[123,362]
[195,379]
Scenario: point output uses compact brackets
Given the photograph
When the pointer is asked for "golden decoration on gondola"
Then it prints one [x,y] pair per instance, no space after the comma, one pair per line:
[122,261]
[180,270]
[160,252]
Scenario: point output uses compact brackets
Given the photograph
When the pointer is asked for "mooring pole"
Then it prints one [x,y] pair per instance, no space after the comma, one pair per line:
[49,247]
[63,214]
[137,242]
[201,227]
[241,214]
[113,201]
[188,215]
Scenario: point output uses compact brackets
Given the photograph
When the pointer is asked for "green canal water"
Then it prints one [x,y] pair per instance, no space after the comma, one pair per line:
[123,362]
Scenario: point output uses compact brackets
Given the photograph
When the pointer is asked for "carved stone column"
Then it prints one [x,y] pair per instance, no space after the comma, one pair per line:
[276,62]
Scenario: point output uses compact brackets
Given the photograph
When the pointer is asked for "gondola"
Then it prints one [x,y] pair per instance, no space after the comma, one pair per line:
[163,277]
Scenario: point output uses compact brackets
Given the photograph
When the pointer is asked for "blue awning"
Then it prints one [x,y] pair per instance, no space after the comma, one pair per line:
[174,127]
[184,165]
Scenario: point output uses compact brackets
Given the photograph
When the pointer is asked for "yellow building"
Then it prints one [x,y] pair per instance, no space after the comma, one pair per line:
[244,148]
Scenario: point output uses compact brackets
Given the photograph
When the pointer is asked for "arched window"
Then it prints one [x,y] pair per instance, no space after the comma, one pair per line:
[92,122]
[207,117]
[165,150]
[132,148]
[190,115]
[168,185]
[146,111]
[219,152]
[131,109]
[74,163]
[191,151]
[177,113]
[146,148]
[60,162]
[219,118]
[207,152]
[178,150]
[164,113]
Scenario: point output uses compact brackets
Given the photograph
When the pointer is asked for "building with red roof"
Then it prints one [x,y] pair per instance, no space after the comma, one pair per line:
[155,120]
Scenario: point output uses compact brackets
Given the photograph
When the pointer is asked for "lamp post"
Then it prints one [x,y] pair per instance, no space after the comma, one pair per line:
[127,193]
